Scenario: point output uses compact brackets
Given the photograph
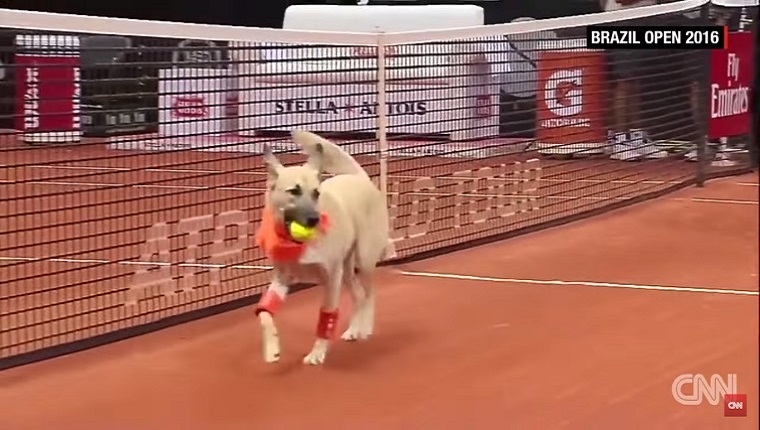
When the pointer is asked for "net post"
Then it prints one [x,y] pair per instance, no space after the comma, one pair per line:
[702,158]
[704,98]
[754,128]
[747,17]
[382,116]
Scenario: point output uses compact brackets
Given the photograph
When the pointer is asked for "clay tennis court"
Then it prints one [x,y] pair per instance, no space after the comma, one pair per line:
[581,326]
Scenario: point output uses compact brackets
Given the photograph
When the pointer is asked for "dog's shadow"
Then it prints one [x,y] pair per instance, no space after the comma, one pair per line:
[352,356]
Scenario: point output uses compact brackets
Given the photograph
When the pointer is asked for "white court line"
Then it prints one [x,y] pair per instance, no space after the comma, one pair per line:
[514,196]
[426,194]
[256,189]
[67,167]
[167,187]
[409,273]
[84,184]
[180,170]
[748,184]
[411,177]
[585,181]
[580,283]
[723,201]
[127,169]
[133,263]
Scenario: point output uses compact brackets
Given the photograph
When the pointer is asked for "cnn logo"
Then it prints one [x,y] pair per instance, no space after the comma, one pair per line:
[735,405]
[692,389]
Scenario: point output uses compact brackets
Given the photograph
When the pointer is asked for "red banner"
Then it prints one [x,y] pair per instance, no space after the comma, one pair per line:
[731,87]
[571,98]
[47,93]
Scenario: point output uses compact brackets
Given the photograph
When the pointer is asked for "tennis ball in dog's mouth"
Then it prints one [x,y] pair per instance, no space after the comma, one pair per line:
[300,232]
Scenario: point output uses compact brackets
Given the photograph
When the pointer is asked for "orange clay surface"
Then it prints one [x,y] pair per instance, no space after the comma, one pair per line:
[509,352]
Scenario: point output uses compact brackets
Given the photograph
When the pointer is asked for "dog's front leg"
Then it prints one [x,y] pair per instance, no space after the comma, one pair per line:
[268,305]
[327,325]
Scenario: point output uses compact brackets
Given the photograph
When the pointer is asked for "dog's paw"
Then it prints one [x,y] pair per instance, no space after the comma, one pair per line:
[318,353]
[271,347]
[355,332]
[361,326]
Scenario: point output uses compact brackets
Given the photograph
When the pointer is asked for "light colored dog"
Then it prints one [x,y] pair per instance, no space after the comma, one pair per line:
[352,216]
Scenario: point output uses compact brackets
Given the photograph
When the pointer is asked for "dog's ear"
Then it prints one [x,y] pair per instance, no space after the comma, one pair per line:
[273,164]
[316,158]
[312,146]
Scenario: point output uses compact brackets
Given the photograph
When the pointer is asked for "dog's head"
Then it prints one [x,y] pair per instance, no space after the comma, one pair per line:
[293,191]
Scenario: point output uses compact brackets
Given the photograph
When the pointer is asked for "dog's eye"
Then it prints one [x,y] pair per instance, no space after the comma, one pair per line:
[296,191]
[315,194]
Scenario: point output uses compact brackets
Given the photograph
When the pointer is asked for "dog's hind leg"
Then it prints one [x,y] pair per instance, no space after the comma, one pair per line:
[368,314]
[328,316]
[359,327]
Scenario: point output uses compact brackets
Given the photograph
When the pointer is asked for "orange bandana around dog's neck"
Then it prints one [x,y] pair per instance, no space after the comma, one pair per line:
[274,239]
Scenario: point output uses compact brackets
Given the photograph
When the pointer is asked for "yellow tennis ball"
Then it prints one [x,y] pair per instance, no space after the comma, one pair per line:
[300,232]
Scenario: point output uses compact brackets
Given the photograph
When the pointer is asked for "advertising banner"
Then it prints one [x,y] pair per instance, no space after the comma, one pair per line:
[48,88]
[350,107]
[731,87]
[570,102]
[192,101]
[427,92]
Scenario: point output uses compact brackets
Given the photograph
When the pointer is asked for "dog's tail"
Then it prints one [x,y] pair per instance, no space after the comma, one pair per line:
[333,158]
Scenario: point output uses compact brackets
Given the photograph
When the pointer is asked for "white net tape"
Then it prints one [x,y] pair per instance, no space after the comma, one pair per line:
[43,21]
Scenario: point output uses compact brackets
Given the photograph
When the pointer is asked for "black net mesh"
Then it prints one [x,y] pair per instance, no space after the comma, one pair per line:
[534,127]
[132,180]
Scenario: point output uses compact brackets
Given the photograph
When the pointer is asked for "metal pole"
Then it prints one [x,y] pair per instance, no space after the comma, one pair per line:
[382,116]
[754,157]
[702,156]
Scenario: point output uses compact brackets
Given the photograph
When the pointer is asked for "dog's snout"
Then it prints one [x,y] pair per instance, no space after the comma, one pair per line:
[290,215]
[312,220]
[305,216]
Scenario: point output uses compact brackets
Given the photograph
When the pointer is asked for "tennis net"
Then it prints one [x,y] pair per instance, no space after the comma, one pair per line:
[132,179]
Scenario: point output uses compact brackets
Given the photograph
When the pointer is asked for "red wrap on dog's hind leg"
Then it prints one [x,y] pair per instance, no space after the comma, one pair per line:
[327,326]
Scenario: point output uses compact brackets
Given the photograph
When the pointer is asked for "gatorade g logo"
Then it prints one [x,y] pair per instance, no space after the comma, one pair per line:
[564,93]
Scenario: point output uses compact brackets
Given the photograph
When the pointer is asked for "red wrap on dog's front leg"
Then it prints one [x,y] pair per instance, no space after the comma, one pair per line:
[270,302]
[328,324]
